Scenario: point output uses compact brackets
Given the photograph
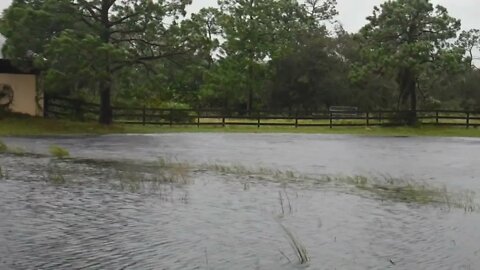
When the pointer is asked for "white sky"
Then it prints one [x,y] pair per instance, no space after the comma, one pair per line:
[353,12]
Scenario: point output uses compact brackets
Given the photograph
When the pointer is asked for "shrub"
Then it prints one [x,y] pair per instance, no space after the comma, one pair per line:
[178,114]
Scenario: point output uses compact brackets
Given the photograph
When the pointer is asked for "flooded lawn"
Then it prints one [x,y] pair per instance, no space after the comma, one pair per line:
[241,201]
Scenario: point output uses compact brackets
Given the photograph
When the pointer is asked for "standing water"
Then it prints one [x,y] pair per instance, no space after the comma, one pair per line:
[240,201]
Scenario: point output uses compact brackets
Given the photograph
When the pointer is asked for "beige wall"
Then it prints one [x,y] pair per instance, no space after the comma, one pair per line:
[24,93]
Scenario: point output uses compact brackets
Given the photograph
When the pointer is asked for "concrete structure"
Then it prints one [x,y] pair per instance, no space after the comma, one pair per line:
[18,90]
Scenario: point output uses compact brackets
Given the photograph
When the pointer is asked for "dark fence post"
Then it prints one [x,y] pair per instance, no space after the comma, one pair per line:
[46,100]
[224,114]
[436,117]
[468,119]
[331,120]
[258,118]
[296,119]
[144,115]
[367,115]
[198,118]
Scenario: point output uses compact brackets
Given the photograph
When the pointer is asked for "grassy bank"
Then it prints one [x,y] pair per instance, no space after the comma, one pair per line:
[29,126]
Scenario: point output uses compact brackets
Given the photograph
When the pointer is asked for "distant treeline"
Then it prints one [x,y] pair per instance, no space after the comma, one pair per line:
[245,55]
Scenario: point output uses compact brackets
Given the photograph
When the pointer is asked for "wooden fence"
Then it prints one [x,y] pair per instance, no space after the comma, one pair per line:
[68,108]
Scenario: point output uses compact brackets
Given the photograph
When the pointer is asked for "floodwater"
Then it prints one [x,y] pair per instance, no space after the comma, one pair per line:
[224,220]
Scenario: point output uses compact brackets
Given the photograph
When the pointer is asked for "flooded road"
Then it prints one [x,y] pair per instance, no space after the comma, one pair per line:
[83,214]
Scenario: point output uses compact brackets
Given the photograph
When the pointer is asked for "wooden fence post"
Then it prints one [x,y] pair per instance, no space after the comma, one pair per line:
[367,115]
[45,106]
[198,119]
[436,117]
[331,120]
[296,119]
[223,119]
[144,116]
[258,118]
[468,119]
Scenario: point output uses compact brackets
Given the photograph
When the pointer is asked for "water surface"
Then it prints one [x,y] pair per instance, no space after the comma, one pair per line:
[221,220]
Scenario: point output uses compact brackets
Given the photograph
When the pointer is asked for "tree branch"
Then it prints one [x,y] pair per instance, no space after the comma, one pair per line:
[90,9]
[123,19]
[131,40]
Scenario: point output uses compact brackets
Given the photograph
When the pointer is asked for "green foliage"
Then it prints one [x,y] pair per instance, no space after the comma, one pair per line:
[408,40]
[243,55]
[58,151]
[470,89]
[310,78]
[55,174]
[92,40]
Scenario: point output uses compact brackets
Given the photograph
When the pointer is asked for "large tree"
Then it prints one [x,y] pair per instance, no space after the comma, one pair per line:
[407,39]
[106,36]
[257,31]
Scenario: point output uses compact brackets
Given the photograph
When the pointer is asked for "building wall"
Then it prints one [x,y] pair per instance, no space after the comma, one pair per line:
[24,93]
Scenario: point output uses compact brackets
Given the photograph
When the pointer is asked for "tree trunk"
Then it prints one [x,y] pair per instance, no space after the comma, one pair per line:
[106,115]
[408,92]
[412,119]
[250,100]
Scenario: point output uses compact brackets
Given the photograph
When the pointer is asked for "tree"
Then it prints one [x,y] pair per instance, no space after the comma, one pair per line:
[30,24]
[111,35]
[257,31]
[406,39]
[312,77]
[469,40]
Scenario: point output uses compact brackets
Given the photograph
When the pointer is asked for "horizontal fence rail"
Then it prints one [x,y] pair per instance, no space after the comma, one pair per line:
[69,108]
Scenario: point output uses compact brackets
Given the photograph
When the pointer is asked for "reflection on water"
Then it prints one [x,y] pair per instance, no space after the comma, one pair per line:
[215,220]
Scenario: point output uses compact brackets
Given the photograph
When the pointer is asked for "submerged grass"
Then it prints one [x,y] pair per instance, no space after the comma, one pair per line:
[129,176]
[55,174]
[119,175]
[58,152]
[15,150]
[3,147]
[410,191]
[383,187]
[297,246]
[153,175]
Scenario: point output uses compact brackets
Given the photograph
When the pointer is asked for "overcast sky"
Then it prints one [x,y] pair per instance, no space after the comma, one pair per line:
[353,12]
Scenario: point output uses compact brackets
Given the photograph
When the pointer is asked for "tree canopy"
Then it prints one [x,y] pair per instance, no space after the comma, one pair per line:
[245,55]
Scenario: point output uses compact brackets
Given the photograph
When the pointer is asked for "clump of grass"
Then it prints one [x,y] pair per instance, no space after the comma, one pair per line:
[57,179]
[55,175]
[11,150]
[397,189]
[408,191]
[237,169]
[3,147]
[282,203]
[16,150]
[384,187]
[298,247]
[158,177]
[58,152]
